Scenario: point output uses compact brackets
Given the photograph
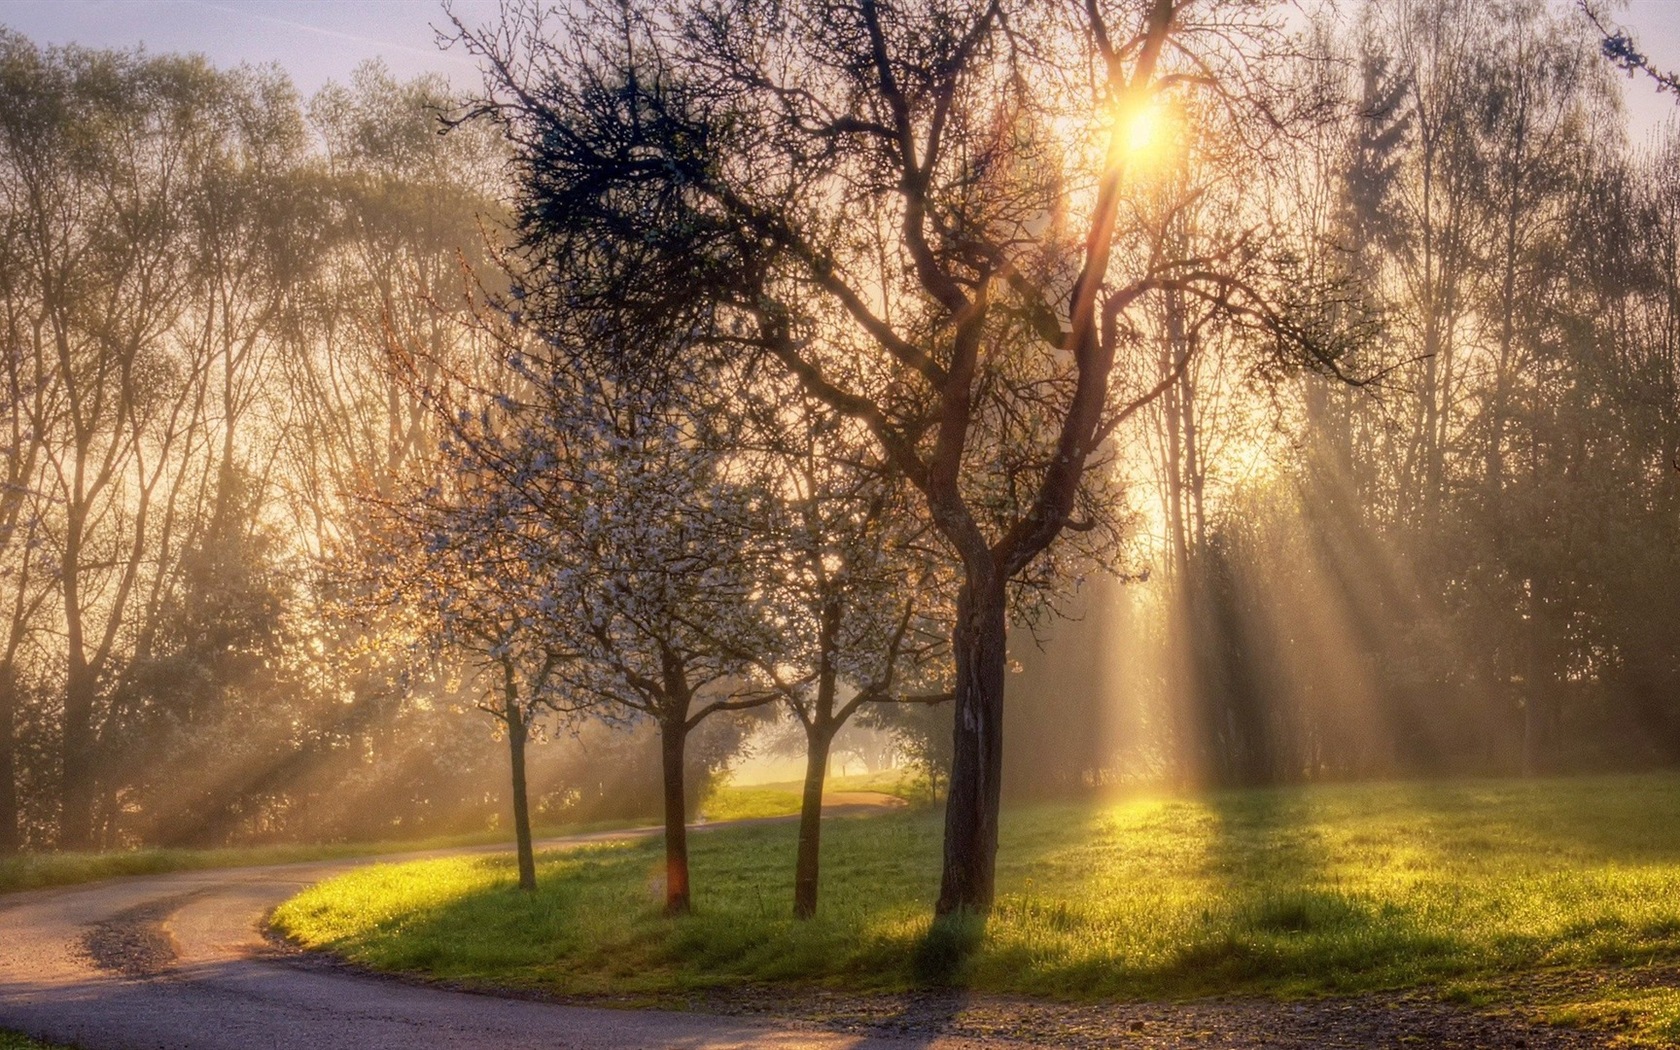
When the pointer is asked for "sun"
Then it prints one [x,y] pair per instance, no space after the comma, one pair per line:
[1141,137]
[1142,130]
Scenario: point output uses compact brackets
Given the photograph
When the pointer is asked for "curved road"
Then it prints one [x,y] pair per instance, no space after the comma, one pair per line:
[178,961]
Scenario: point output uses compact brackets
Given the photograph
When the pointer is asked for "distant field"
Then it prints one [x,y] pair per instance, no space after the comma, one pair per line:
[34,870]
[782,799]
[1336,889]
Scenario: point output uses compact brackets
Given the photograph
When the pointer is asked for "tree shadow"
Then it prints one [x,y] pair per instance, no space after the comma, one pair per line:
[1281,916]
[943,955]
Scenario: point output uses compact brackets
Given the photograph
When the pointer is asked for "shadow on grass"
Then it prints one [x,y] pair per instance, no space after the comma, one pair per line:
[1620,819]
[1281,917]
[944,953]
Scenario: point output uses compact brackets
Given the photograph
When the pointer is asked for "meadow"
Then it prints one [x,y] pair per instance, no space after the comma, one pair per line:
[1285,892]
[724,802]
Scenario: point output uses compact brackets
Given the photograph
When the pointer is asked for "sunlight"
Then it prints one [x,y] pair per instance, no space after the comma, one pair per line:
[1143,138]
[1118,430]
[1143,130]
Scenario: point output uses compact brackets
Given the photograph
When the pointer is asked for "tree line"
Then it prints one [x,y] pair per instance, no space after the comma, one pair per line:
[1465,565]
[232,318]
[201,275]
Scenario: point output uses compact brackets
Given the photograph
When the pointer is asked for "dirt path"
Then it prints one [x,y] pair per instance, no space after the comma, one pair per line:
[179,961]
[860,801]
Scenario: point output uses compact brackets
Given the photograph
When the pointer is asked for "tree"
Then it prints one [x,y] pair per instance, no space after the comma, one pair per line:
[920,213]
[455,556]
[101,154]
[631,523]
[851,590]
[405,218]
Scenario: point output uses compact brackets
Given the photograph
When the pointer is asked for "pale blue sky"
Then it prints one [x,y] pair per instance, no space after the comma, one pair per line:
[321,40]
[313,40]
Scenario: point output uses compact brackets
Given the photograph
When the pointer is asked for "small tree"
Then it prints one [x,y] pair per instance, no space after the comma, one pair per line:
[455,562]
[855,596]
[615,505]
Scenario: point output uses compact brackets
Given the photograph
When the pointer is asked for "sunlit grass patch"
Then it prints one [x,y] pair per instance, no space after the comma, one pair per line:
[1298,891]
[1648,1014]
[19,1041]
[782,799]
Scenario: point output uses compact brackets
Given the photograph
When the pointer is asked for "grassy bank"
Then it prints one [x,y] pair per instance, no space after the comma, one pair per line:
[35,870]
[1300,891]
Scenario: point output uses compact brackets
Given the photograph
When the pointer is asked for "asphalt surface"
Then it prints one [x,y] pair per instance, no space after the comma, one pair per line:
[179,962]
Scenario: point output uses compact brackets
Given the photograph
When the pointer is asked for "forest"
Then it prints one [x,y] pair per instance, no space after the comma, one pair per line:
[608,414]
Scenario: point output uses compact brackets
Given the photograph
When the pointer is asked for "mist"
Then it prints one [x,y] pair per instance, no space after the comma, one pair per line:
[242,329]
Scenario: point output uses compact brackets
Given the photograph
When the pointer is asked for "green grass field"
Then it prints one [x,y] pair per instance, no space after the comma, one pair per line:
[34,870]
[782,799]
[1288,892]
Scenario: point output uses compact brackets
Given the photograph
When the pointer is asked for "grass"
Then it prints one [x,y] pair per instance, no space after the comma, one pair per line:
[19,1041]
[782,799]
[1651,1014]
[1289,892]
[35,870]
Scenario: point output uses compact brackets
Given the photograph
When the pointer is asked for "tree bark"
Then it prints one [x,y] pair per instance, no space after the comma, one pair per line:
[75,821]
[810,825]
[75,830]
[519,731]
[672,736]
[975,791]
[11,838]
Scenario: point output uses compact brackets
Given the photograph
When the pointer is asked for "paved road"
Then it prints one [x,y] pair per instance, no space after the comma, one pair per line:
[185,967]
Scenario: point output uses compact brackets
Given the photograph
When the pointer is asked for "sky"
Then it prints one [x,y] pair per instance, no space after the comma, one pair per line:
[313,40]
[321,40]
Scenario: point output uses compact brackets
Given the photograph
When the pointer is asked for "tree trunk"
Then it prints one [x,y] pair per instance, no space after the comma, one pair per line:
[75,829]
[810,825]
[974,795]
[672,737]
[75,820]
[10,832]
[519,731]
[1536,739]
